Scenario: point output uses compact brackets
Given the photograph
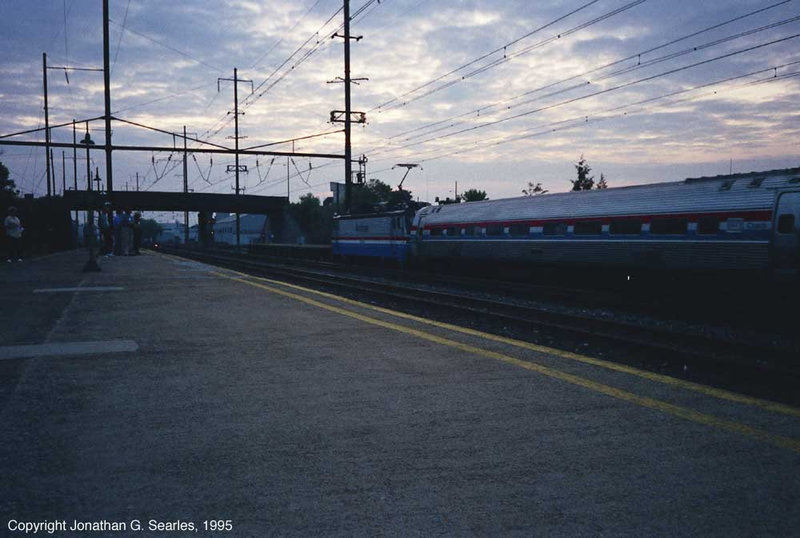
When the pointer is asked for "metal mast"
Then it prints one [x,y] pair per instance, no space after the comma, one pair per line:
[107,96]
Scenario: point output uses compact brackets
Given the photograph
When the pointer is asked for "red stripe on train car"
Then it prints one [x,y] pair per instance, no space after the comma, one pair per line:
[765,215]
[371,238]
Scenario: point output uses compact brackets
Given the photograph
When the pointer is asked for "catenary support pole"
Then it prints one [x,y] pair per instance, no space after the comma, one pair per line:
[236,142]
[185,190]
[107,97]
[348,152]
[46,123]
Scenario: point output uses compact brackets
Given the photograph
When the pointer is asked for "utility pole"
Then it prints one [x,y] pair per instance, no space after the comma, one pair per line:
[63,174]
[75,166]
[348,150]
[89,142]
[137,181]
[53,166]
[345,116]
[46,121]
[107,97]
[185,191]
[236,168]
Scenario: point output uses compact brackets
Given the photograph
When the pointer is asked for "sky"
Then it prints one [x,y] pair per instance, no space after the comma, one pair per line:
[483,95]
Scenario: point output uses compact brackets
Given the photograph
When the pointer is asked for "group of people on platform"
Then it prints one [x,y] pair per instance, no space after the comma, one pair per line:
[120,232]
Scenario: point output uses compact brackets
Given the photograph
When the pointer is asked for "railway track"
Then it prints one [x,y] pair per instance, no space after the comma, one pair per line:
[657,347]
[731,303]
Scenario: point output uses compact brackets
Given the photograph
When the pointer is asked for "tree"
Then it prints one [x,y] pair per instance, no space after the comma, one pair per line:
[8,189]
[375,195]
[584,182]
[602,183]
[151,230]
[534,189]
[367,197]
[314,218]
[473,195]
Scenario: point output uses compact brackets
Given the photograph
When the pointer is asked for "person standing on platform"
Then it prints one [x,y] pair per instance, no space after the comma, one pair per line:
[13,228]
[137,232]
[127,232]
[106,233]
[117,223]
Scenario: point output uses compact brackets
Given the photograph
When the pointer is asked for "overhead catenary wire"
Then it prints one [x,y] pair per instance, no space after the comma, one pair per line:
[279,41]
[592,71]
[121,35]
[582,119]
[604,91]
[170,47]
[621,71]
[396,101]
[511,55]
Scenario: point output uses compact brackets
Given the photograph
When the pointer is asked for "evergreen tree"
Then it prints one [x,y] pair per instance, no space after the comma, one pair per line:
[584,182]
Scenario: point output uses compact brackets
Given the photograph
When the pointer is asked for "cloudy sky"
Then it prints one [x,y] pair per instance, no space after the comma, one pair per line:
[491,95]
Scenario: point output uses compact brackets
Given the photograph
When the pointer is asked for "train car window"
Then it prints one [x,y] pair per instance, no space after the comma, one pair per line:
[554,228]
[494,229]
[708,226]
[734,225]
[436,232]
[588,228]
[625,227]
[669,226]
[786,224]
[452,231]
[472,230]
[519,229]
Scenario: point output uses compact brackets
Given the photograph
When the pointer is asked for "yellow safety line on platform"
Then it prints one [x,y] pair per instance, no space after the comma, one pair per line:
[644,401]
[651,376]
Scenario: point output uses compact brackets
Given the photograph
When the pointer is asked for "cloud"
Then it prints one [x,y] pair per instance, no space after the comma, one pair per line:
[170,55]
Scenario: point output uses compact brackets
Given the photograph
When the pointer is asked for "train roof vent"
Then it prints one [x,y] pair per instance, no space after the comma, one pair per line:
[726,185]
[756,182]
[795,180]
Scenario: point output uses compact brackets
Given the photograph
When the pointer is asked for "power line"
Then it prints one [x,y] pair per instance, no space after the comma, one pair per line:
[121,35]
[592,71]
[254,97]
[561,125]
[503,49]
[291,56]
[170,47]
[309,10]
[639,65]
[604,91]
[165,98]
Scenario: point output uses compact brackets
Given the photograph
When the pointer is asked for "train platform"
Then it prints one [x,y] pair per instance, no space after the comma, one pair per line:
[163,396]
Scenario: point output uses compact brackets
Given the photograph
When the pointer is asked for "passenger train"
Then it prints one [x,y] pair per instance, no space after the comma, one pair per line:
[742,222]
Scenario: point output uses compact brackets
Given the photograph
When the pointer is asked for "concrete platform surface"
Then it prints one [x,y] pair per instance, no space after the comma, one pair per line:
[198,401]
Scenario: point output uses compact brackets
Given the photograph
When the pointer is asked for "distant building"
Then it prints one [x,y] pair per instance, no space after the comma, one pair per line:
[173,232]
[252,229]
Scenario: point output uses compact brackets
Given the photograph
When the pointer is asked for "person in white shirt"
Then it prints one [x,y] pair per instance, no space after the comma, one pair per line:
[14,229]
